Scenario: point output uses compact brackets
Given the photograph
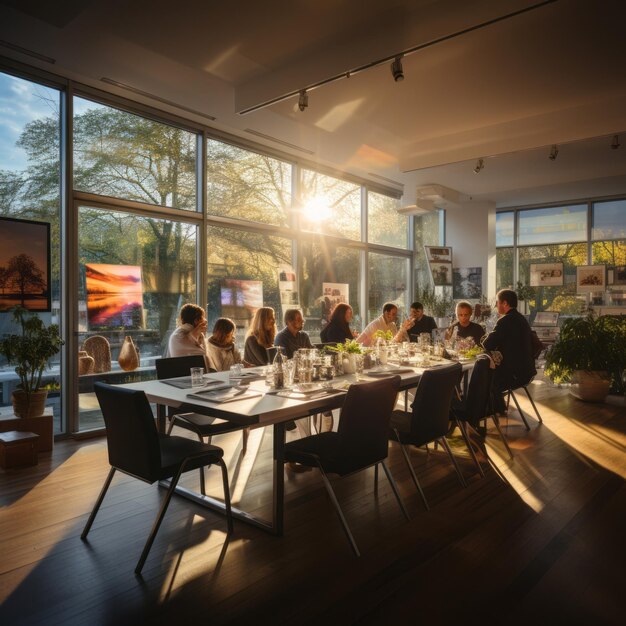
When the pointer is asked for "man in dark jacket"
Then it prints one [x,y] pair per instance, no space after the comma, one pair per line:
[512,338]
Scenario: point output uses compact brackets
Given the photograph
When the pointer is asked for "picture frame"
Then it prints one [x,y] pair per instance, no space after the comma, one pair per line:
[25,255]
[441,273]
[546,274]
[590,278]
[438,253]
[619,275]
[467,283]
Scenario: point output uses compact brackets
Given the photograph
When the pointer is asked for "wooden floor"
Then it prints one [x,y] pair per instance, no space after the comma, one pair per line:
[546,547]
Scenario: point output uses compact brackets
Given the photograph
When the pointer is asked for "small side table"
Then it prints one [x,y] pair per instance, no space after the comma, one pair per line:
[18,449]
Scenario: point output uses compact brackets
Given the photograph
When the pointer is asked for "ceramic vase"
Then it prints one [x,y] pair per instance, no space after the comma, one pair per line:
[129,356]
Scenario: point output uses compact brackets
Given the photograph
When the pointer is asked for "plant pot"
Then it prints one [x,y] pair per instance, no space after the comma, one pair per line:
[129,357]
[590,386]
[29,405]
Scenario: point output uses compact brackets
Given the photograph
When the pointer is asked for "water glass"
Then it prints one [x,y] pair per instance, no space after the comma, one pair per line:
[196,376]
[305,374]
[289,370]
[358,367]
[234,375]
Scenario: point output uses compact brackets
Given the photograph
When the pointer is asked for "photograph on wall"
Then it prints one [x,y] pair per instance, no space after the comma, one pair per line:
[441,273]
[240,299]
[590,278]
[287,286]
[438,253]
[114,296]
[467,283]
[332,295]
[546,274]
[619,275]
[24,264]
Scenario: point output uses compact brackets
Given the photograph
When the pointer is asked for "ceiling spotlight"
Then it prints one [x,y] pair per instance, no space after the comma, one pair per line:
[303,100]
[479,166]
[396,69]
[615,143]
[553,153]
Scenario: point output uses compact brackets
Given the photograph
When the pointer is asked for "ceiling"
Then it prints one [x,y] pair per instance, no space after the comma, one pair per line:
[502,81]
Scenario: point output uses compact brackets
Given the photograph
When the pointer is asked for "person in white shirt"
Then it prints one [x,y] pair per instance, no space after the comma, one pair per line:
[189,338]
[386,322]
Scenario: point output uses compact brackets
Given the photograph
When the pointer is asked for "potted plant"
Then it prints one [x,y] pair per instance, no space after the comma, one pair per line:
[590,352]
[347,350]
[30,352]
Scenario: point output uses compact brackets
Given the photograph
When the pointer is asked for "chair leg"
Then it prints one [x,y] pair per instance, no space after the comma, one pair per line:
[413,476]
[533,403]
[229,515]
[158,520]
[495,468]
[201,470]
[333,498]
[244,444]
[376,479]
[96,506]
[470,447]
[519,408]
[394,488]
[445,444]
[496,421]
[169,428]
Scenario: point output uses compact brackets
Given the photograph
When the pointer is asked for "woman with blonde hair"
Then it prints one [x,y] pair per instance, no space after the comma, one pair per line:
[260,337]
[221,349]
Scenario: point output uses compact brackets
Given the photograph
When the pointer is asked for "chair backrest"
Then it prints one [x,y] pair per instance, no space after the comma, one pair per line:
[176,366]
[132,437]
[365,417]
[431,407]
[99,349]
[479,391]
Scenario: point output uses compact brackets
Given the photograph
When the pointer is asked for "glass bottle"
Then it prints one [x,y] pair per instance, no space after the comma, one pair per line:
[278,369]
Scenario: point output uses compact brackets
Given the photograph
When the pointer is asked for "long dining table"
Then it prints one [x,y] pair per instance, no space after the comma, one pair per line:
[265,409]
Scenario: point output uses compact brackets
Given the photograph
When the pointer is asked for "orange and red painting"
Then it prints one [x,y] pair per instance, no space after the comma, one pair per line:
[114,296]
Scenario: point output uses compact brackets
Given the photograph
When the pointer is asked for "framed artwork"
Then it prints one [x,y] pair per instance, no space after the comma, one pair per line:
[240,299]
[619,275]
[25,264]
[114,296]
[590,278]
[467,283]
[441,273]
[546,274]
[438,253]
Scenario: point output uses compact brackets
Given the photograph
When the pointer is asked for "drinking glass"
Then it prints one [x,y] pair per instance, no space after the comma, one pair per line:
[196,376]
[358,367]
[234,374]
[290,370]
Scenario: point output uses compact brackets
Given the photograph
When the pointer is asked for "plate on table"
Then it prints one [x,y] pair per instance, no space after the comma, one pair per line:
[392,371]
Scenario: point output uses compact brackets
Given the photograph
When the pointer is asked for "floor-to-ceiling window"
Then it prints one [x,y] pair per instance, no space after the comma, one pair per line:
[30,189]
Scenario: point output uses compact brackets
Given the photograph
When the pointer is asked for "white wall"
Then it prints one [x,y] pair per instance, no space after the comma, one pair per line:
[470,230]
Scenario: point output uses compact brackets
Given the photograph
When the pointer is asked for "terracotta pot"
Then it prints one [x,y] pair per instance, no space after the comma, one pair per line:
[590,386]
[129,357]
[29,405]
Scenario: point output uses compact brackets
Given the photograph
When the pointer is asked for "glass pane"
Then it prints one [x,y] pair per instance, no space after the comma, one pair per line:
[427,231]
[610,253]
[318,264]
[561,298]
[609,220]
[30,184]
[504,268]
[385,225]
[388,282]
[553,225]
[504,228]
[122,155]
[247,185]
[330,205]
[135,274]
[243,273]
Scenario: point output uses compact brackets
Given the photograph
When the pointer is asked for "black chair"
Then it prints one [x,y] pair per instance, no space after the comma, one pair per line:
[271,353]
[478,406]
[360,441]
[189,417]
[429,420]
[510,395]
[136,448]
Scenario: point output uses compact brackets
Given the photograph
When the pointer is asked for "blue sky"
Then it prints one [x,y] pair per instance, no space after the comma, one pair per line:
[20,103]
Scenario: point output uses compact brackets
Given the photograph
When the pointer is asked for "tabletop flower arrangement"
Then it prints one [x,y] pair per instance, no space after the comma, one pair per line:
[385,335]
[467,348]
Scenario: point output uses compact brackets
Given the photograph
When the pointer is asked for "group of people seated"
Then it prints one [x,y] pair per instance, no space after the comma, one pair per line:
[510,341]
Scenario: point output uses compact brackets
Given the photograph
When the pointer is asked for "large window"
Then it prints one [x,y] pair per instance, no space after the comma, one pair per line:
[427,231]
[134,274]
[30,188]
[243,274]
[247,185]
[388,282]
[609,220]
[505,228]
[384,224]
[122,155]
[330,205]
[552,225]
